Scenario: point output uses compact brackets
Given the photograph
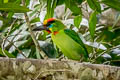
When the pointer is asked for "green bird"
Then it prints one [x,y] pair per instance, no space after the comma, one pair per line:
[68,41]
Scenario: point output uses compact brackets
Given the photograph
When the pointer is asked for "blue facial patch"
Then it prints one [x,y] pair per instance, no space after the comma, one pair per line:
[50,26]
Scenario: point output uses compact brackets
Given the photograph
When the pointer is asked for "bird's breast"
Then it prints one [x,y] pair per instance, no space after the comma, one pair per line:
[67,45]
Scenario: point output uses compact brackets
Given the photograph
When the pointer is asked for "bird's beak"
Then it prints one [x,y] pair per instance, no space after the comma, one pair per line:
[40,28]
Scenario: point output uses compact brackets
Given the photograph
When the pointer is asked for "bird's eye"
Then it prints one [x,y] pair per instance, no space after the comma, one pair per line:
[49,23]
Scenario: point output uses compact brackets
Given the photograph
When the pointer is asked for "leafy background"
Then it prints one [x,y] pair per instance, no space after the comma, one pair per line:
[96,22]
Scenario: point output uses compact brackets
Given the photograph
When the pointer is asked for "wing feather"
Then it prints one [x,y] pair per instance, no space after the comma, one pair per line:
[76,38]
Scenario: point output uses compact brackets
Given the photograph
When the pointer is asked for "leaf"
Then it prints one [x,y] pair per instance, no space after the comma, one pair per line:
[17,1]
[35,20]
[27,2]
[37,54]
[26,52]
[71,4]
[92,24]
[1,1]
[25,45]
[36,9]
[12,7]
[53,7]
[49,50]
[94,5]
[6,22]
[10,14]
[7,53]
[77,21]
[50,8]
[79,1]
[60,2]
[108,35]
[4,19]
[15,27]
[5,1]
[112,3]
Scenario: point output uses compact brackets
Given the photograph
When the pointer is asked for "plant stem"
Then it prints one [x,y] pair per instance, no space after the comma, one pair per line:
[32,34]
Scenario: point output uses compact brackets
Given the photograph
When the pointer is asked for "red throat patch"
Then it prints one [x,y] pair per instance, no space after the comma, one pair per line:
[48,31]
[55,32]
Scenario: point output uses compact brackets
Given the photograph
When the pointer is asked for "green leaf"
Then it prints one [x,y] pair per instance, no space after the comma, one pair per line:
[37,54]
[95,5]
[92,24]
[77,21]
[35,20]
[50,8]
[59,2]
[5,1]
[53,7]
[71,4]
[12,7]
[48,15]
[10,14]
[36,9]
[1,1]
[112,3]
[7,53]
[15,27]
[27,2]
[17,1]
[79,1]
[49,50]
[4,19]
[108,35]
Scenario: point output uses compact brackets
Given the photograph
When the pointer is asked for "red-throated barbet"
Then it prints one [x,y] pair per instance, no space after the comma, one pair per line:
[68,41]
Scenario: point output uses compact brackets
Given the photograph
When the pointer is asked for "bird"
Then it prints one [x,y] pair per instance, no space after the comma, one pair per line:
[68,41]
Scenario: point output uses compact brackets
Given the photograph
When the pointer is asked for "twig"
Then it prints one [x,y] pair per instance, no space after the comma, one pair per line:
[32,34]
[16,35]
[105,52]
[15,47]
[7,47]
[2,46]
[4,39]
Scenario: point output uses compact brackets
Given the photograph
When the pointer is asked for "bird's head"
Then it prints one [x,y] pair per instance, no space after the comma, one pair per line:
[51,25]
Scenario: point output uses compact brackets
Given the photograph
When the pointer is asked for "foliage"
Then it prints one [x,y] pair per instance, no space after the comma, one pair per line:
[102,41]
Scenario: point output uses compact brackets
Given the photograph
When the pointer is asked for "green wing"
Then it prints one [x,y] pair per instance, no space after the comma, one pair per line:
[76,38]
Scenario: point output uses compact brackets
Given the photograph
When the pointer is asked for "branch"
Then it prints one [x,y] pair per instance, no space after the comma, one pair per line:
[13,45]
[32,34]
[105,52]
[33,69]
[12,40]
[4,39]
[16,48]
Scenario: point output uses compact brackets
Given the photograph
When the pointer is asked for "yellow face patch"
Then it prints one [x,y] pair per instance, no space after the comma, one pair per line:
[50,29]
[45,22]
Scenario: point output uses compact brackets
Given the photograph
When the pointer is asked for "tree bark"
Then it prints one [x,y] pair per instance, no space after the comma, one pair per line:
[33,69]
